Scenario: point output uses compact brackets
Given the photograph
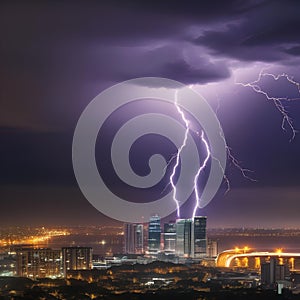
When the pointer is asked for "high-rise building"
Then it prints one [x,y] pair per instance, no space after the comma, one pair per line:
[76,258]
[199,237]
[272,272]
[191,237]
[212,248]
[139,239]
[169,237]
[184,237]
[154,232]
[38,263]
[133,238]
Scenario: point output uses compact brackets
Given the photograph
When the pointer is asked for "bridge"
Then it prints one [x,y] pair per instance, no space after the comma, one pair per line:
[245,257]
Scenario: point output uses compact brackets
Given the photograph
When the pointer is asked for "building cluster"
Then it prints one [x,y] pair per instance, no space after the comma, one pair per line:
[183,238]
[275,273]
[42,263]
[156,280]
[170,259]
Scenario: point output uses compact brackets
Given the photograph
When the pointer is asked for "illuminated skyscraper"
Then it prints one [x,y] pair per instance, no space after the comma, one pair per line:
[169,237]
[76,258]
[139,239]
[191,237]
[183,237]
[38,263]
[154,232]
[133,238]
[199,237]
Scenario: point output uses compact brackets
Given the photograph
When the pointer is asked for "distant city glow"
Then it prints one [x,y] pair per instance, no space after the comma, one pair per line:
[40,238]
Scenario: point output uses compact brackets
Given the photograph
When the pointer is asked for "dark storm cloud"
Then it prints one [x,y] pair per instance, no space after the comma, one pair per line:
[187,74]
[40,34]
[263,34]
[293,50]
[195,11]
[53,51]
[37,31]
[229,42]
[169,62]
[111,20]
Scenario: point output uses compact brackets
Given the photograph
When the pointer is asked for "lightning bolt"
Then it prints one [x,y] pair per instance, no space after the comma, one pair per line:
[204,164]
[286,120]
[187,130]
[208,155]
[278,101]
[237,164]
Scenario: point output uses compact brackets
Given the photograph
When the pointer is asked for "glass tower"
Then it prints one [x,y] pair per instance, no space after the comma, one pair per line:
[169,237]
[133,238]
[154,232]
[184,237]
[199,237]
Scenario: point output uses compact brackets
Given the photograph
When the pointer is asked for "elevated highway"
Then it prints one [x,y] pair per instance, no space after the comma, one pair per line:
[245,257]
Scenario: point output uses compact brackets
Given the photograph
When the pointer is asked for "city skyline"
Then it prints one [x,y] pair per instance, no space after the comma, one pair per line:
[57,59]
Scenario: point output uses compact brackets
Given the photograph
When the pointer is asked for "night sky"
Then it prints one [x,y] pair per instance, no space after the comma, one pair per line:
[56,56]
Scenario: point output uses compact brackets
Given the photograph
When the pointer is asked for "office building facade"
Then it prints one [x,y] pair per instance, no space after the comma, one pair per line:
[170,238]
[39,263]
[154,235]
[76,258]
[184,237]
[191,240]
[133,238]
[199,240]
